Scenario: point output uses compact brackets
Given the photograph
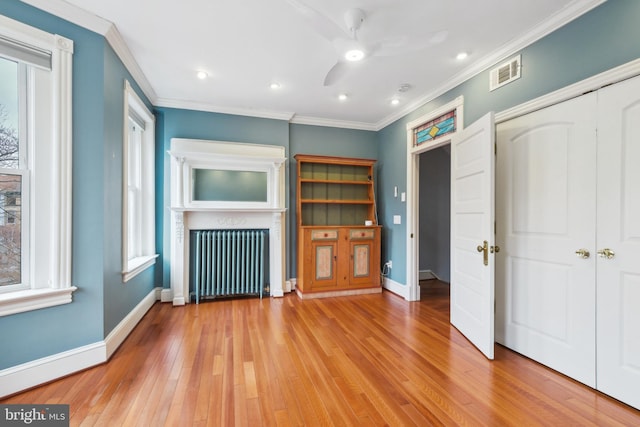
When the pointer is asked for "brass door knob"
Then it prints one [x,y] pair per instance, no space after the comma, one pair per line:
[606,253]
[583,253]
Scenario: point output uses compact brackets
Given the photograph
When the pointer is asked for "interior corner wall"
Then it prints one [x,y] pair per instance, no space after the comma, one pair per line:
[597,41]
[102,300]
[119,298]
[36,334]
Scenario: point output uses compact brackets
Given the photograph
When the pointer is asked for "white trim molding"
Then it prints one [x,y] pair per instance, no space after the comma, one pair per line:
[34,299]
[31,374]
[124,328]
[413,186]
[50,189]
[189,214]
[614,75]
[398,289]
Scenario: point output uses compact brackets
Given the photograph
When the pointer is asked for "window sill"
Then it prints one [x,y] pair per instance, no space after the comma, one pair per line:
[34,299]
[137,266]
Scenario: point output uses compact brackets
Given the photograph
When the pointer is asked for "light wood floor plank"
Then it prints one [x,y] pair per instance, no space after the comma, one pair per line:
[360,360]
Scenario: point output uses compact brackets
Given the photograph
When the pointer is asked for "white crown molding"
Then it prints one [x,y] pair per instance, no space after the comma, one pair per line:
[316,121]
[201,106]
[94,23]
[571,12]
[118,44]
[101,26]
[73,14]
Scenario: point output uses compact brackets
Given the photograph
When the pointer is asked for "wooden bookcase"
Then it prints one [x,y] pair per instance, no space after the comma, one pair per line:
[338,253]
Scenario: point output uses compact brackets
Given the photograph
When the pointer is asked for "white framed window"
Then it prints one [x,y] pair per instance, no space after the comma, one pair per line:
[138,206]
[35,168]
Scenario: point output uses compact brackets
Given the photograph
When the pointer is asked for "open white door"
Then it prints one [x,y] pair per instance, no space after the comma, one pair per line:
[472,233]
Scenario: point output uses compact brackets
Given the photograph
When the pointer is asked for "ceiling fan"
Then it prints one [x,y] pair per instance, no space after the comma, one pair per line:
[349,47]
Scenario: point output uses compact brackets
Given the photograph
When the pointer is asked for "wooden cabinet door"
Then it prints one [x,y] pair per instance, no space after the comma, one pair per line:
[324,255]
[362,270]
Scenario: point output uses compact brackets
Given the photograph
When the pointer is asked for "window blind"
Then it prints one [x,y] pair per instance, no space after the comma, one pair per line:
[22,52]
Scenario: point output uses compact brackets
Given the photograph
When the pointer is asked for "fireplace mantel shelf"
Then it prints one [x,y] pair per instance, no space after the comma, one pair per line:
[229,210]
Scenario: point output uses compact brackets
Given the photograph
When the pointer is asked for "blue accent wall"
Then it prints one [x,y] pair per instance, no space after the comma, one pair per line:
[599,40]
[102,300]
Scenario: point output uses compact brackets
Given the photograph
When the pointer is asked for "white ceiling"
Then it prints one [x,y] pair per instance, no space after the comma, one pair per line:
[244,45]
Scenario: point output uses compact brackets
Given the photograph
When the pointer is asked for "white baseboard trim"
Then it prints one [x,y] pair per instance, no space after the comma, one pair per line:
[166,295]
[396,288]
[124,328]
[31,374]
[427,275]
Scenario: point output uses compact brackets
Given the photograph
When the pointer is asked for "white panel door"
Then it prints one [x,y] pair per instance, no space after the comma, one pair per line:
[545,213]
[472,218]
[618,276]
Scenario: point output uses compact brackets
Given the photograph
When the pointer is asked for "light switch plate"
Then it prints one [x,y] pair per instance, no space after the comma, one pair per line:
[397,219]
[403,197]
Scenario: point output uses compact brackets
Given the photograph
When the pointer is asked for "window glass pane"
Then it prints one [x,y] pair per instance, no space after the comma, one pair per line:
[9,147]
[435,128]
[10,229]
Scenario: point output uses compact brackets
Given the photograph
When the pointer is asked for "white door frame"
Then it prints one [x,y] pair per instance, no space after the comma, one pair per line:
[614,75]
[413,187]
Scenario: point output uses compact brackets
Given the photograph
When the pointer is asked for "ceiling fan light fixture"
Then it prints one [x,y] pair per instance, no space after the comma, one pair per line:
[354,55]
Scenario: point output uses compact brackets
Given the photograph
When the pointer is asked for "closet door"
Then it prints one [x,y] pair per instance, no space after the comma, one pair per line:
[545,215]
[618,271]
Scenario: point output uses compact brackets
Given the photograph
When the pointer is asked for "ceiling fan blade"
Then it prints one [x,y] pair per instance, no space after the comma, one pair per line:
[336,73]
[320,23]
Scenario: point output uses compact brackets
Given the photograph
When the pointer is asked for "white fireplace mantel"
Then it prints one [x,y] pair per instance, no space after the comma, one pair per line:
[188,214]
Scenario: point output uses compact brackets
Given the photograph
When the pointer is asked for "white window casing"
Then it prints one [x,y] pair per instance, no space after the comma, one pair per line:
[138,204]
[49,142]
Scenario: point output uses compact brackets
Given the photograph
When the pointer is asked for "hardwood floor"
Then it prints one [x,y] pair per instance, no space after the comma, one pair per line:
[362,360]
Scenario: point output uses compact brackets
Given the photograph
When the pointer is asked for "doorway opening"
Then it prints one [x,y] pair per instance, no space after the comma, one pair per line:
[434,220]
[415,151]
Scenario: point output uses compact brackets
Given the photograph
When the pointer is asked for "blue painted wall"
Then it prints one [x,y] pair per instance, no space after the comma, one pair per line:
[178,123]
[600,40]
[101,300]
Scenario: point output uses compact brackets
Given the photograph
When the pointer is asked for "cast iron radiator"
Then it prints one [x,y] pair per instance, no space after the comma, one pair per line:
[230,263]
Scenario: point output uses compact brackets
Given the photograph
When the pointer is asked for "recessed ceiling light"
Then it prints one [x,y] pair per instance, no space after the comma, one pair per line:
[202,75]
[461,56]
[342,97]
[354,55]
[275,85]
[395,101]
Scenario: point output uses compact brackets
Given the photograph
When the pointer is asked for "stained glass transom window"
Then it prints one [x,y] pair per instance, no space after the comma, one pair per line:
[435,128]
